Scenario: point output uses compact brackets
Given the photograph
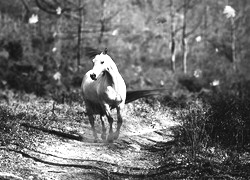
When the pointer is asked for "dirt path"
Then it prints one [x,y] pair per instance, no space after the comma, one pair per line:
[64,149]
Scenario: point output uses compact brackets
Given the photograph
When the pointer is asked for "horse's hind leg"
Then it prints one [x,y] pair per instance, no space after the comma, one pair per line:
[111,135]
[92,123]
[119,123]
[103,136]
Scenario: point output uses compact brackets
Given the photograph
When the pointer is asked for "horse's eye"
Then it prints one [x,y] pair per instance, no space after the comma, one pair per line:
[102,62]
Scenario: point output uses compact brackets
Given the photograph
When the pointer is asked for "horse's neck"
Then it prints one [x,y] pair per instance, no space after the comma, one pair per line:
[114,76]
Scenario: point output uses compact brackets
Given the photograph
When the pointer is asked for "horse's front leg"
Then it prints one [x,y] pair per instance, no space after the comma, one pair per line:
[119,123]
[103,136]
[110,120]
[92,123]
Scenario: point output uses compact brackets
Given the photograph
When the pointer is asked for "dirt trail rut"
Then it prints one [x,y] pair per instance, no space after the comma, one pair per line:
[65,150]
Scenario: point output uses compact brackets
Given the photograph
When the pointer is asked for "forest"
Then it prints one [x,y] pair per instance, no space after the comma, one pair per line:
[197,50]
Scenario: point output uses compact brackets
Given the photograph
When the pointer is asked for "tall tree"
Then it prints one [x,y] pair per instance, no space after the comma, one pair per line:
[108,12]
[205,23]
[230,14]
[188,5]
[79,33]
[63,11]
[173,27]
[184,37]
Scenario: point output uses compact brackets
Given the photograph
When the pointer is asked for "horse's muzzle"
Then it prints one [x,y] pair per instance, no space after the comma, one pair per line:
[93,76]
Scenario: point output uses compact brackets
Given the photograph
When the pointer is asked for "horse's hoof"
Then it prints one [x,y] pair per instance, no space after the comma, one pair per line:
[103,136]
[116,135]
[110,138]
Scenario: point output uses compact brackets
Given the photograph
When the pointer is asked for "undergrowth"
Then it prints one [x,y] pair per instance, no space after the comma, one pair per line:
[211,142]
[213,139]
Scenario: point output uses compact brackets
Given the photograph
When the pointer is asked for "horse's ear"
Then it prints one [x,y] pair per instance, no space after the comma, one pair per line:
[105,51]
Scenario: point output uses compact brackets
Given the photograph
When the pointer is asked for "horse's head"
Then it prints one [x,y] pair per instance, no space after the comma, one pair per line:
[102,63]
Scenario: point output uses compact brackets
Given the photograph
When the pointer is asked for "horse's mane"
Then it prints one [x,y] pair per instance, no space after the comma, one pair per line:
[91,52]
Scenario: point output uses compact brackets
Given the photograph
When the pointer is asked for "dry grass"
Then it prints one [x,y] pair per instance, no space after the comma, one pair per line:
[201,149]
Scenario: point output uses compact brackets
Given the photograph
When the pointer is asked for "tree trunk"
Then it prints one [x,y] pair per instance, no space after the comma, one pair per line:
[205,25]
[184,38]
[58,43]
[185,52]
[173,54]
[103,23]
[233,44]
[79,35]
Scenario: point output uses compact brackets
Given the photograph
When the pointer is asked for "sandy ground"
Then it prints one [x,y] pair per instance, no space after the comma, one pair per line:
[64,149]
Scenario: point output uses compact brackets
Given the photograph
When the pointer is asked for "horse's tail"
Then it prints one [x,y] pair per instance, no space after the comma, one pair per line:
[137,94]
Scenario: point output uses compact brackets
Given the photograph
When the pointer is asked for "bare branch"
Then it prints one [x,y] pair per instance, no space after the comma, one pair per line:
[195,27]
[107,19]
[178,29]
[42,7]
[189,6]
[26,5]
[51,8]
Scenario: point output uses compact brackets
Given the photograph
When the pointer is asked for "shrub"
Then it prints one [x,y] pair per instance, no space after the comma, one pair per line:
[229,121]
[193,133]
[219,119]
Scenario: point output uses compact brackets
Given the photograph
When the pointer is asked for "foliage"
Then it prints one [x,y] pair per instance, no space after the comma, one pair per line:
[214,136]
[215,119]
[193,130]
[229,123]
[201,148]
[135,38]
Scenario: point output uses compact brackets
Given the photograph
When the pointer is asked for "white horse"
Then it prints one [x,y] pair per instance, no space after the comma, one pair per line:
[103,89]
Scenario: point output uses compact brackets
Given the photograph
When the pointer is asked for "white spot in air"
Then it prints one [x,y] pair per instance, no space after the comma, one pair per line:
[115,32]
[54,34]
[33,19]
[162,83]
[197,73]
[198,39]
[215,82]
[54,49]
[59,10]
[229,11]
[4,82]
[57,76]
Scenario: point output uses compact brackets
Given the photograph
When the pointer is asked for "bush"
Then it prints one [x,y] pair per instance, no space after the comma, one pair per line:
[8,127]
[229,121]
[193,133]
[218,119]
[213,139]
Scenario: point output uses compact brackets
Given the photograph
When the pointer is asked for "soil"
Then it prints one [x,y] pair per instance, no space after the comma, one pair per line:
[64,148]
